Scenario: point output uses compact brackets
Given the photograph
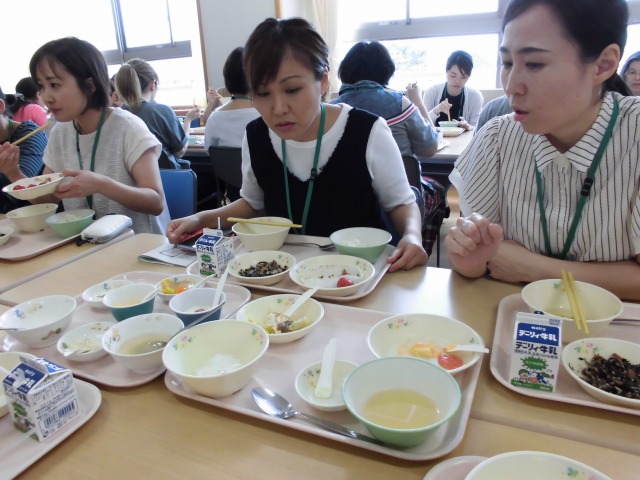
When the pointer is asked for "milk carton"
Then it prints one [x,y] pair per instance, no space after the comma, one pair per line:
[41,396]
[214,252]
[536,352]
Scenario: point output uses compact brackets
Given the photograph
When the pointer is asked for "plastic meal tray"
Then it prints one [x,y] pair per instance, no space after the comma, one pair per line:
[282,362]
[22,245]
[106,370]
[302,252]
[19,451]
[567,389]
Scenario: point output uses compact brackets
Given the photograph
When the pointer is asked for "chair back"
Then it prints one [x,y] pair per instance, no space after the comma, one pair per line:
[180,191]
[227,167]
[413,170]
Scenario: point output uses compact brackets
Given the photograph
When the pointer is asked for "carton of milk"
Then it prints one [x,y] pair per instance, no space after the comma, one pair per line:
[214,252]
[42,397]
[536,352]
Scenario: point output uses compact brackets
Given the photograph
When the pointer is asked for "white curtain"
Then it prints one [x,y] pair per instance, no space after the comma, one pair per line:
[324,16]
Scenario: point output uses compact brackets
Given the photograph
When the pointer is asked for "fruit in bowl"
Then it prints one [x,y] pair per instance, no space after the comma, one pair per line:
[34,187]
[334,275]
[169,287]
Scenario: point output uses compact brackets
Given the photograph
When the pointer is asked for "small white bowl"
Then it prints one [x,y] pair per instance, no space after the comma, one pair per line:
[257,312]
[34,187]
[196,305]
[577,353]
[307,379]
[43,319]
[9,361]
[252,259]
[216,359]
[124,339]
[87,339]
[32,218]
[262,237]
[394,336]
[96,293]
[325,271]
[600,306]
[5,234]
[531,465]
[169,287]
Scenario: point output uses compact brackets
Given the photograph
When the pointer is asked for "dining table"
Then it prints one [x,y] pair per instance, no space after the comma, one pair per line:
[147,431]
[440,165]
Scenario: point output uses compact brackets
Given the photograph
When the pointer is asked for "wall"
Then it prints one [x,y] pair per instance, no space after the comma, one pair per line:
[227,25]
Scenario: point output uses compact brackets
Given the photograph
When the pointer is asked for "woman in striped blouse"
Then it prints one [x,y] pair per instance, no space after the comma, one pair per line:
[555,184]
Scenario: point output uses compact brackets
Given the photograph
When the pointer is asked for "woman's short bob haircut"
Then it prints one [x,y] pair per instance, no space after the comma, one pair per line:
[82,60]
[625,69]
[367,61]
[591,25]
[463,60]
[273,40]
[233,72]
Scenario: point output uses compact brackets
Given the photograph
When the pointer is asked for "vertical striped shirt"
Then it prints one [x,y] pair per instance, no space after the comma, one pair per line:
[495,177]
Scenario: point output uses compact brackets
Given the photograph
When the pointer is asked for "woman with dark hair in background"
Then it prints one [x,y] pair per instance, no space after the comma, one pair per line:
[630,73]
[28,104]
[556,184]
[452,99]
[19,161]
[365,72]
[137,86]
[324,166]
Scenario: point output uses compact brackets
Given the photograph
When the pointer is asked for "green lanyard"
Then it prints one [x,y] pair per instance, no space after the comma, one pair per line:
[93,153]
[584,192]
[9,130]
[312,178]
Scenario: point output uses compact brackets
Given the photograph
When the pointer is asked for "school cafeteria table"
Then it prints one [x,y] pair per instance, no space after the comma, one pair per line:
[148,432]
[441,164]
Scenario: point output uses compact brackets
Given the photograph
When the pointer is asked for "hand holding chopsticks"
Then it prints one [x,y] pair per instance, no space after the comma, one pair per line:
[574,301]
[262,222]
[30,134]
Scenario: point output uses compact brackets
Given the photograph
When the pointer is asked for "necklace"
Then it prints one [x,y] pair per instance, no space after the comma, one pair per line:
[312,177]
[584,191]
[103,115]
[240,97]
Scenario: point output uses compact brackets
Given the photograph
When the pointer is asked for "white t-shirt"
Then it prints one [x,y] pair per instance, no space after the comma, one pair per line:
[123,139]
[495,177]
[226,128]
[384,162]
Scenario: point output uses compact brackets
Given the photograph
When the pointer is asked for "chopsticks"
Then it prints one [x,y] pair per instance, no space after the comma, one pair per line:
[574,301]
[30,134]
[262,222]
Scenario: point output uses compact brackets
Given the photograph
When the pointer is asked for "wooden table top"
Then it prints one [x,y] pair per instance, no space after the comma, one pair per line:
[148,432]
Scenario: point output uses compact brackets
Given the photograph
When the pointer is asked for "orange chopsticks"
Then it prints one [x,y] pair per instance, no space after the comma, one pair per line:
[574,301]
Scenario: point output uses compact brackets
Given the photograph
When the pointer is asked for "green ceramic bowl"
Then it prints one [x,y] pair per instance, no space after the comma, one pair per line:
[131,300]
[362,242]
[72,222]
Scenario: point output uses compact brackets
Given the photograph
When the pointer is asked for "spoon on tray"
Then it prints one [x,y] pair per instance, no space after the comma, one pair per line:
[277,406]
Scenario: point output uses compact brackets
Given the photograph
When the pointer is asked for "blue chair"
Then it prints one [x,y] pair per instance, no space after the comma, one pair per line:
[180,191]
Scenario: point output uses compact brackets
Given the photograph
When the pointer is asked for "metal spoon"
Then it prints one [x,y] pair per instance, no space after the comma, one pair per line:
[327,246]
[159,344]
[277,406]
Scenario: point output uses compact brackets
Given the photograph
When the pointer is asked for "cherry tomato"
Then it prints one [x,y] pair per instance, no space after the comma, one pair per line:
[449,361]
[344,282]
[19,187]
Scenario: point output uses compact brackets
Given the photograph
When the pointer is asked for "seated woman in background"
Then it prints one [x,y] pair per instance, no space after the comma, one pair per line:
[556,185]
[226,125]
[340,164]
[19,161]
[137,86]
[107,155]
[452,99]
[113,96]
[29,105]
[365,72]
[631,73]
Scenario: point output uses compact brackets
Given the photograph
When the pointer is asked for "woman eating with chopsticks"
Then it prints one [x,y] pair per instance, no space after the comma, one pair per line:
[326,167]
[555,185]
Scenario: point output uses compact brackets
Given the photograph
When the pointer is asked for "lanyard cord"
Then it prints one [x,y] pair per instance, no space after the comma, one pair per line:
[445,95]
[312,177]
[584,192]
[93,152]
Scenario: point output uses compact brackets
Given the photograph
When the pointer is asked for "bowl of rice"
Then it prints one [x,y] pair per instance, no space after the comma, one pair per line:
[363,242]
[71,222]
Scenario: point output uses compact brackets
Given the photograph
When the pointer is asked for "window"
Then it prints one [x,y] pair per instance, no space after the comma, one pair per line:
[163,32]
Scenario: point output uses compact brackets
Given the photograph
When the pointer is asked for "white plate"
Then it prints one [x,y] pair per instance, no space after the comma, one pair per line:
[19,451]
[451,131]
[456,468]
